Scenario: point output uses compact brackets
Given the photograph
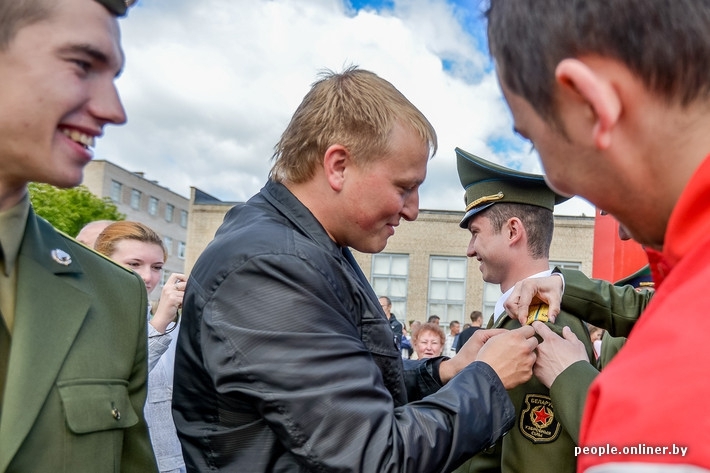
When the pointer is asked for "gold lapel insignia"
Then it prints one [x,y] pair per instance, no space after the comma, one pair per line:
[61,257]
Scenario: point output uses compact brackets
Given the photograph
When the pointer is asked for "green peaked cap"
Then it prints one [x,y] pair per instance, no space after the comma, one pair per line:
[117,7]
[487,183]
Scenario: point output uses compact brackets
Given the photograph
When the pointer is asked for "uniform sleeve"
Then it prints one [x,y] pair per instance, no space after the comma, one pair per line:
[285,337]
[137,454]
[569,393]
[614,308]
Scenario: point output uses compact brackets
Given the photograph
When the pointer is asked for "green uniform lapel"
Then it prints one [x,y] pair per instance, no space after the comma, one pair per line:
[41,337]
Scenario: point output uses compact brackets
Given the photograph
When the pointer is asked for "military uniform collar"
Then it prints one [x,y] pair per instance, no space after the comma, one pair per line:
[500,309]
[12,228]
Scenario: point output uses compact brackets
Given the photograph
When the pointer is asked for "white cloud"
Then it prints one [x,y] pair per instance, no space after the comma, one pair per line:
[210,85]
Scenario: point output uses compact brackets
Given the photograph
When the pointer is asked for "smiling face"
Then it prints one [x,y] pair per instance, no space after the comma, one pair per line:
[378,194]
[58,93]
[146,259]
[489,247]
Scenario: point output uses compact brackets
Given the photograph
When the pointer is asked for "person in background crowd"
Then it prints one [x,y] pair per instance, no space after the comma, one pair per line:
[72,325]
[89,232]
[624,125]
[452,338]
[429,341]
[407,348]
[395,324]
[284,342]
[476,317]
[433,319]
[137,247]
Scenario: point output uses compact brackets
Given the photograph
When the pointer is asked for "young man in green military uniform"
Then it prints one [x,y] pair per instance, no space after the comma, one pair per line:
[72,324]
[510,217]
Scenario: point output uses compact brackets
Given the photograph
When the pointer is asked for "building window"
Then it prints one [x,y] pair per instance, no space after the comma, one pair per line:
[164,278]
[168,242]
[492,292]
[390,278]
[136,199]
[447,288]
[183,218]
[116,191]
[169,211]
[153,205]
[565,265]
[181,250]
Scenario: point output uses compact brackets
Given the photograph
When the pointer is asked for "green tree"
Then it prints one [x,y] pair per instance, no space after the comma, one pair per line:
[70,209]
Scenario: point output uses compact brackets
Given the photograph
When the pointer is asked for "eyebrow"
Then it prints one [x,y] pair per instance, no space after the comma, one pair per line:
[91,51]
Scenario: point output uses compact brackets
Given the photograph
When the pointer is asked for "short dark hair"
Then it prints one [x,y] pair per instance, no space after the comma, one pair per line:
[539,224]
[433,318]
[16,14]
[663,42]
[476,315]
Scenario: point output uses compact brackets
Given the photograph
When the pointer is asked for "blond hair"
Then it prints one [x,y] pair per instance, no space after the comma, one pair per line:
[356,109]
[126,230]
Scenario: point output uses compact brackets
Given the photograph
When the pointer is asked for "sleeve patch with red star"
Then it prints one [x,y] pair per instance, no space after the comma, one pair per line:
[537,420]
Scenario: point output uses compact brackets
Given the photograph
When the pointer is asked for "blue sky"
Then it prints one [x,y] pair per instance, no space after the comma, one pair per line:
[210,85]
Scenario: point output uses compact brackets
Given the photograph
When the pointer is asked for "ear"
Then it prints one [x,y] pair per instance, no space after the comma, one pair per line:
[576,77]
[335,162]
[515,229]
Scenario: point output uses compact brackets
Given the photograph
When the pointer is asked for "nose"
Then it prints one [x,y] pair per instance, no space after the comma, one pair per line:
[106,104]
[145,275]
[410,211]
[470,251]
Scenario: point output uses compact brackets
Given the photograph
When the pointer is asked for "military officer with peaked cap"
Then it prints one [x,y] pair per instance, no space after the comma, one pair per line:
[539,441]
[73,324]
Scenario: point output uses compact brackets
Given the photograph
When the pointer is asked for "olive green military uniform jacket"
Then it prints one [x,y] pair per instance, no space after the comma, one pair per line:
[76,381]
[539,442]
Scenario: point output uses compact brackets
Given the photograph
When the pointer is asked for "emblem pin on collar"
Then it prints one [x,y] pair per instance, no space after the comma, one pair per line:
[61,257]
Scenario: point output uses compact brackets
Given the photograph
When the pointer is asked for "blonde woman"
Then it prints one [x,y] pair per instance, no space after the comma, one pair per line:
[136,246]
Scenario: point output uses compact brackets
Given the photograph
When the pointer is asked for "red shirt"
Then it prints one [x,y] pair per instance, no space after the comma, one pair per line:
[652,402]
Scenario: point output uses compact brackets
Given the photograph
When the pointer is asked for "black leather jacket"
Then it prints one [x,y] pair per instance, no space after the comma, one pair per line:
[286,362]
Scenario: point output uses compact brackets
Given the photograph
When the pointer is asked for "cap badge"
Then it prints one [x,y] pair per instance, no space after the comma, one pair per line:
[484,199]
[61,257]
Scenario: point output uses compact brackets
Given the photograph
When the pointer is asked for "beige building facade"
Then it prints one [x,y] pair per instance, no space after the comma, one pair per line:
[145,201]
[424,268]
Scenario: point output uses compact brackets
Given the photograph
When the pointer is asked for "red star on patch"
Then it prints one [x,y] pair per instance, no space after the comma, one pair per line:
[541,415]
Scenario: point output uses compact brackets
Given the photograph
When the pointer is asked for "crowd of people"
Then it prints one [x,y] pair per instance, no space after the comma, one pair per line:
[275,354]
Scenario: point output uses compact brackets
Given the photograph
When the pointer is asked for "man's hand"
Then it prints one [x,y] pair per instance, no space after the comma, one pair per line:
[510,354]
[535,290]
[468,353]
[555,354]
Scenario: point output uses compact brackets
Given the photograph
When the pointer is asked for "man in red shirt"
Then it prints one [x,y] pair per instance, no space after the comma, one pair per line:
[615,96]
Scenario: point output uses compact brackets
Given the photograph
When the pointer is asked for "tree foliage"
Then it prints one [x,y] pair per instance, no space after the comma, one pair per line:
[70,209]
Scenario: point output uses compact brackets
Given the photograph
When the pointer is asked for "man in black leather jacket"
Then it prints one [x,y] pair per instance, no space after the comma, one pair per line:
[285,359]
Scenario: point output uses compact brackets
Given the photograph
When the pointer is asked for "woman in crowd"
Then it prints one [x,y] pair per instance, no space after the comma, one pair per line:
[137,247]
[428,341]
